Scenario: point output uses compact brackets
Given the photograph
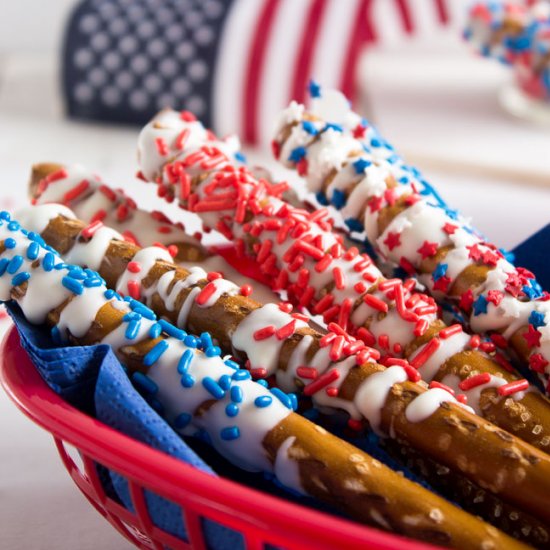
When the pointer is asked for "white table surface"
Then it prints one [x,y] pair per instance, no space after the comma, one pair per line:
[39,507]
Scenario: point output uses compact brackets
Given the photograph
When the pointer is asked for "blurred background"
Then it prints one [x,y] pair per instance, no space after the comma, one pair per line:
[110,64]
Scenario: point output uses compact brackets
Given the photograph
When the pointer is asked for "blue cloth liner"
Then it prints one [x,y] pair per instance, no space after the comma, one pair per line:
[534,254]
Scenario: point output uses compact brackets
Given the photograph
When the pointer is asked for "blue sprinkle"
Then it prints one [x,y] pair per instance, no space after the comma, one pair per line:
[354,225]
[232,410]
[206,340]
[282,397]
[144,382]
[360,165]
[212,387]
[297,154]
[375,142]
[262,382]
[231,364]
[293,401]
[20,278]
[156,405]
[4,215]
[182,420]
[73,285]
[187,380]
[537,319]
[439,271]
[332,126]
[172,331]
[480,306]
[10,243]
[132,316]
[3,266]
[190,341]
[154,354]
[33,250]
[224,381]
[309,127]
[338,199]
[56,335]
[14,226]
[132,330]
[90,283]
[241,375]
[314,89]
[109,293]
[143,310]
[236,394]
[185,361]
[60,266]
[15,263]
[263,401]
[239,157]
[76,273]
[212,351]
[321,198]
[230,433]
[48,262]
[155,330]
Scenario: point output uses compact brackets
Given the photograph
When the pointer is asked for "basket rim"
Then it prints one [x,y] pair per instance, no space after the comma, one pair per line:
[167,475]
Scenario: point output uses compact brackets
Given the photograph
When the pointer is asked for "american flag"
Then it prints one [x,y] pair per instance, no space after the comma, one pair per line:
[233,63]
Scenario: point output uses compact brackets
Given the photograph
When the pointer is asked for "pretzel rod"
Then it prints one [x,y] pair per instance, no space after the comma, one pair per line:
[300,253]
[284,345]
[199,391]
[382,198]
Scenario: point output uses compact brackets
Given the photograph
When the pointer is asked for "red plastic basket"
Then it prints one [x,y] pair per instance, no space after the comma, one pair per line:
[260,518]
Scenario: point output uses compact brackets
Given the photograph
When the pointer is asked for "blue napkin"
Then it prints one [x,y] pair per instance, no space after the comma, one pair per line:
[534,254]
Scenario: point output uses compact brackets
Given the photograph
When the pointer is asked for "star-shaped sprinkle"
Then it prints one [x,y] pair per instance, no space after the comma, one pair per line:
[309,127]
[393,240]
[532,337]
[375,203]
[490,258]
[537,362]
[450,228]
[480,306]
[474,252]
[360,165]
[442,284]
[359,131]
[466,300]
[537,319]
[495,296]
[428,249]
[297,154]
[513,284]
[314,89]
[302,166]
[439,271]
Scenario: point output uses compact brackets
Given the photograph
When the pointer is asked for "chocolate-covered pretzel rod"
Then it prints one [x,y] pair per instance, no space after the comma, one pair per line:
[276,342]
[300,253]
[409,229]
[199,391]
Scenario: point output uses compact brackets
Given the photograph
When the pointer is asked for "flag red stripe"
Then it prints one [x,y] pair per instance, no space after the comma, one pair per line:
[363,32]
[302,68]
[405,13]
[441,8]
[254,70]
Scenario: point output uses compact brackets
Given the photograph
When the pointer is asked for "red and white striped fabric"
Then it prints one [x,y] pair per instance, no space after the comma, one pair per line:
[270,49]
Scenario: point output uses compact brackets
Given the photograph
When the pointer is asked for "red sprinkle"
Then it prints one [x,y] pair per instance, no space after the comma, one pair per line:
[285,306]
[134,267]
[475,340]
[499,340]
[360,287]
[206,293]
[99,216]
[162,147]
[246,290]
[450,331]
[388,284]
[366,336]
[182,139]
[323,263]
[421,327]
[435,384]
[396,361]
[384,341]
[263,333]
[412,374]
[285,332]
[76,191]
[322,381]
[332,391]
[339,278]
[487,347]
[355,425]
[323,304]
[461,398]
[474,381]
[345,312]
[134,289]
[375,303]
[427,351]
[259,372]
[326,339]
[309,373]
[89,231]
[337,347]
[188,116]
[213,275]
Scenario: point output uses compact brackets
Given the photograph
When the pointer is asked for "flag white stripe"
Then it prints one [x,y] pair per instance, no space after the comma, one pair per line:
[333,41]
[278,70]
[387,22]
[231,65]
